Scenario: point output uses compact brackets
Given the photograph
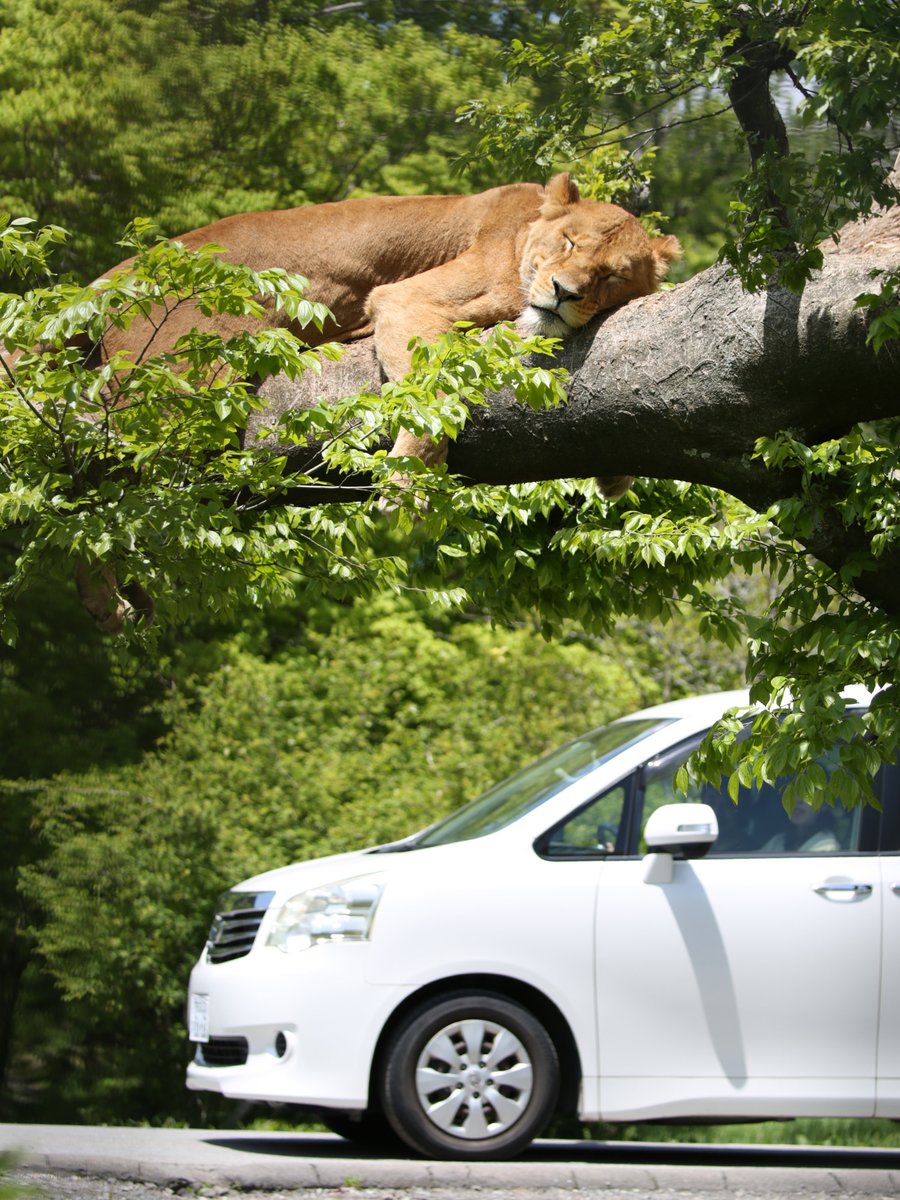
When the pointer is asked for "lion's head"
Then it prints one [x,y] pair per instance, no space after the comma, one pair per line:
[584,256]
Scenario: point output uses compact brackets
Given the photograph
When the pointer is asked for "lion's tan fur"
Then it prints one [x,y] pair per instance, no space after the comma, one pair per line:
[405,266]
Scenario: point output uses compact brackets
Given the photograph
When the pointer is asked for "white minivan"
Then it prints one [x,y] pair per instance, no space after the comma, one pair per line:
[577,940]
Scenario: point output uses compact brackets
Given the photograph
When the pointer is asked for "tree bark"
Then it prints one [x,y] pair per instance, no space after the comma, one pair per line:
[679,385]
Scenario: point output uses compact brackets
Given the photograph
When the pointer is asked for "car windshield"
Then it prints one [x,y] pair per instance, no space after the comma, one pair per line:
[534,784]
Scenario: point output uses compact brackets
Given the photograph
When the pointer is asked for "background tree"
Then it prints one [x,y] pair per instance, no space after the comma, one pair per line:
[250,106]
[821,65]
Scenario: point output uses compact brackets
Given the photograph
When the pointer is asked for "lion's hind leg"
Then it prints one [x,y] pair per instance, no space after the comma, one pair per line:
[614,486]
[110,603]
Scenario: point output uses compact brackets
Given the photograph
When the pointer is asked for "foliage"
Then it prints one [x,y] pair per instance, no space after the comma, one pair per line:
[189,111]
[558,550]
[660,72]
[68,701]
[818,638]
[651,73]
[884,308]
[114,462]
[664,66]
[52,720]
[140,466]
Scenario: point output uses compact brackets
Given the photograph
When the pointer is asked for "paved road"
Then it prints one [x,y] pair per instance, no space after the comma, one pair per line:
[137,1163]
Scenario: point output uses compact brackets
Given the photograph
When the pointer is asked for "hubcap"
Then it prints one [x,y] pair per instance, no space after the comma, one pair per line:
[474,1079]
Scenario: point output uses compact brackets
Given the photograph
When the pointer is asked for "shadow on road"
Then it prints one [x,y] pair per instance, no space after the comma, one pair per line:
[305,1145]
[309,1146]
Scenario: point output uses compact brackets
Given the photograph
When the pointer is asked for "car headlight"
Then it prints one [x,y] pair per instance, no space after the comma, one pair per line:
[336,912]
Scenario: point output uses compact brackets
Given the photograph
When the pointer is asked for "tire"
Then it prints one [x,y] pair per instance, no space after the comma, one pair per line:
[470,1076]
[368,1130]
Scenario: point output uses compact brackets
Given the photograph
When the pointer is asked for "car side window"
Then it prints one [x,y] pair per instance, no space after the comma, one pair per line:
[593,832]
[758,823]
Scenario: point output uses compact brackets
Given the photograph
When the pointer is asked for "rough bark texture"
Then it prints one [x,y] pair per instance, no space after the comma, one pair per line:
[681,384]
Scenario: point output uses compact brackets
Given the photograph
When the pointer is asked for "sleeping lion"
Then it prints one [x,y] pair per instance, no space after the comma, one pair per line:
[398,267]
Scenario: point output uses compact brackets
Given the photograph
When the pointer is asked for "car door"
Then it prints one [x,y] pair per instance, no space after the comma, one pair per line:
[749,984]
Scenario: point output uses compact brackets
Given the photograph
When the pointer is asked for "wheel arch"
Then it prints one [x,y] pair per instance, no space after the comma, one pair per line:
[532,998]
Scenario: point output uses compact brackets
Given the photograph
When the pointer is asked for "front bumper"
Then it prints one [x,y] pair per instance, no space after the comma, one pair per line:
[311,1022]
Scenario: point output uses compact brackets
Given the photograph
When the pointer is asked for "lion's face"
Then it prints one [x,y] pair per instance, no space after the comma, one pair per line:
[583,256]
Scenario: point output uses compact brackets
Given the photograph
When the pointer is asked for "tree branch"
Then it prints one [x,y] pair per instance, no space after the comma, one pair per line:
[680,385]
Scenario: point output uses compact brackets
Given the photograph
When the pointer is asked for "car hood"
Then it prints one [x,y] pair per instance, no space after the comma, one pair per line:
[287,881]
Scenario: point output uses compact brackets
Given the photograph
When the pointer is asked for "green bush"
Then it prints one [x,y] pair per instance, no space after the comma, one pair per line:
[371,724]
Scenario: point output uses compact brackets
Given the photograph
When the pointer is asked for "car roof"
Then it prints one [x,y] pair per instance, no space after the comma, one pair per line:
[711,706]
[694,707]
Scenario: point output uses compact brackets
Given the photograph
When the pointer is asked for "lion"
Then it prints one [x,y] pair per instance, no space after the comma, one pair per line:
[401,267]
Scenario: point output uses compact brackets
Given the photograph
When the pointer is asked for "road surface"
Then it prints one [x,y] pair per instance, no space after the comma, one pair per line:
[70,1162]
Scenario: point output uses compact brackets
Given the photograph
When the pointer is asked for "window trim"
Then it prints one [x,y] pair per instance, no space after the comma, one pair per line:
[887,822]
[540,845]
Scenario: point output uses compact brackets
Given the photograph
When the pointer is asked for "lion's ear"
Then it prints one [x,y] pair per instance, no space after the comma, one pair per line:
[560,192]
[666,250]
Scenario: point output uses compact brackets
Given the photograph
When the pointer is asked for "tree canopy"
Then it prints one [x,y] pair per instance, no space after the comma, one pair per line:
[150,469]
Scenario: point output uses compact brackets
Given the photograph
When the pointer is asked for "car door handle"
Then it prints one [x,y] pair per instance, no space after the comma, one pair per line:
[857,889]
[895,888]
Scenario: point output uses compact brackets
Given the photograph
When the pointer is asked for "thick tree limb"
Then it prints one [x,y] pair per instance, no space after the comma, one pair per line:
[676,385]
[681,384]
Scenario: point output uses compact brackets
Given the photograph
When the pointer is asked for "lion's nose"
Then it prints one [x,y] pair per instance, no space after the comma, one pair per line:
[564,293]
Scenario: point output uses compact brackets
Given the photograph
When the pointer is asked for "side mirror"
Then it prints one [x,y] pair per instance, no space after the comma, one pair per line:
[687,830]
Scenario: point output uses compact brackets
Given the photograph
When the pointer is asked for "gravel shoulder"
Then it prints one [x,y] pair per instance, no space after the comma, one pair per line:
[69,1186]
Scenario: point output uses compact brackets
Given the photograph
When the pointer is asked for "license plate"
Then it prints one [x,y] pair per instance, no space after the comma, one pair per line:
[198,1022]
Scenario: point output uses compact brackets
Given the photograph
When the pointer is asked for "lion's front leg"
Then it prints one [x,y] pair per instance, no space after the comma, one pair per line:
[480,286]
[110,603]
[614,487]
[398,318]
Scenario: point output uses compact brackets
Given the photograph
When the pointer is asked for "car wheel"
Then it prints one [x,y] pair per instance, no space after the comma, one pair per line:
[470,1076]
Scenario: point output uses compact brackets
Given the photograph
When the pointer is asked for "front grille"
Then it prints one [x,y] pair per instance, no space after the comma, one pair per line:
[236,924]
[222,1052]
